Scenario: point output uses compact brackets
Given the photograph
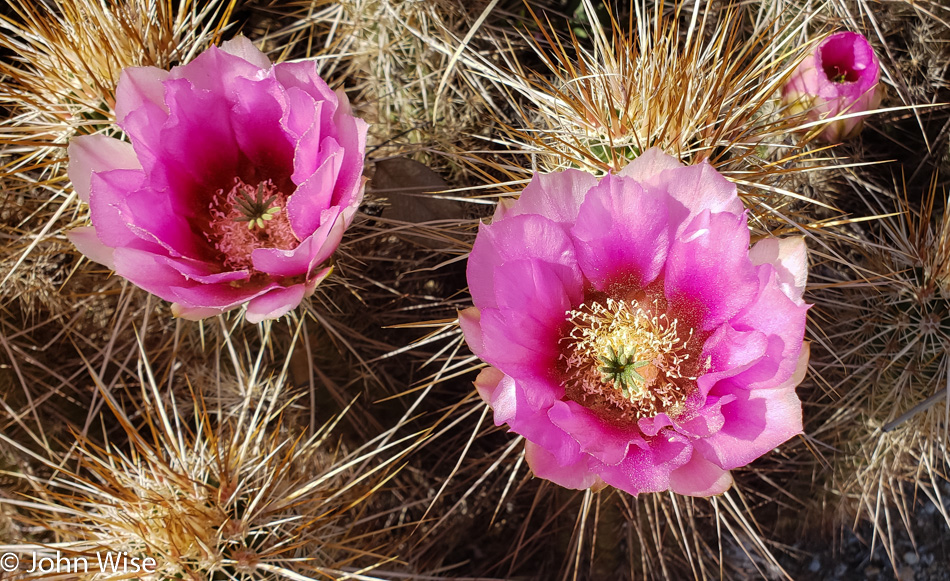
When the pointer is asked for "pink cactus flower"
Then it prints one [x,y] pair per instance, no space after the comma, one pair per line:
[633,337]
[238,183]
[841,77]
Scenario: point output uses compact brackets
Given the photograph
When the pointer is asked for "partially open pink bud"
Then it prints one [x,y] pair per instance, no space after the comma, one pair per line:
[841,77]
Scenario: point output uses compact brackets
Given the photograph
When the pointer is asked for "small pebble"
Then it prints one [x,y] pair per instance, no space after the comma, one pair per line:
[815,565]
[871,572]
[911,558]
[905,574]
[840,570]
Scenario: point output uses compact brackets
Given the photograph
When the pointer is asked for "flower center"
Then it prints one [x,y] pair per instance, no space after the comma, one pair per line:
[247,218]
[627,362]
[841,74]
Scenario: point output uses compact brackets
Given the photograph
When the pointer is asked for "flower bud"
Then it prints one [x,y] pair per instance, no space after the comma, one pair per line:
[840,77]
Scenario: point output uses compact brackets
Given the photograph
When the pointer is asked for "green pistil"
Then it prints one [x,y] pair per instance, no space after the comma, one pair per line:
[621,370]
[256,210]
[840,76]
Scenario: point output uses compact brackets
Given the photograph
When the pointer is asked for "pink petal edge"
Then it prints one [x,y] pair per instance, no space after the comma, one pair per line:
[544,465]
[96,153]
[139,86]
[88,243]
[241,47]
[789,256]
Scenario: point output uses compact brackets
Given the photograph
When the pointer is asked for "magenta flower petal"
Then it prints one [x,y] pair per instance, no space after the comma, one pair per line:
[622,234]
[152,216]
[139,86]
[649,164]
[242,47]
[501,391]
[257,110]
[633,337]
[335,121]
[526,314]
[203,208]
[486,384]
[198,150]
[514,347]
[194,313]
[97,153]
[789,258]
[154,273]
[304,258]
[144,125]
[185,283]
[694,279]
[697,188]
[351,136]
[108,205]
[198,271]
[140,103]
[88,243]
[470,321]
[222,296]
[756,421]
[648,468]
[215,71]
[315,194]
[530,237]
[783,321]
[334,161]
[519,407]
[302,120]
[840,77]
[275,303]
[602,441]
[653,425]
[303,75]
[301,117]
[730,352]
[700,188]
[707,419]
[556,196]
[576,476]
[530,421]
[700,477]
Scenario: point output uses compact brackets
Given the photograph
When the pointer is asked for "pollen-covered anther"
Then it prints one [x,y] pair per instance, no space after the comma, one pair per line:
[246,218]
[626,361]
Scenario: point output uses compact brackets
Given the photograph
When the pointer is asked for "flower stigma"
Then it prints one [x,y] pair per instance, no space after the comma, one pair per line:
[267,225]
[627,362]
[621,369]
[255,210]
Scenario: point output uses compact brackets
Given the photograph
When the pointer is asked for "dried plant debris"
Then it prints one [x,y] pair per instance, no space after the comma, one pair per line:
[244,496]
